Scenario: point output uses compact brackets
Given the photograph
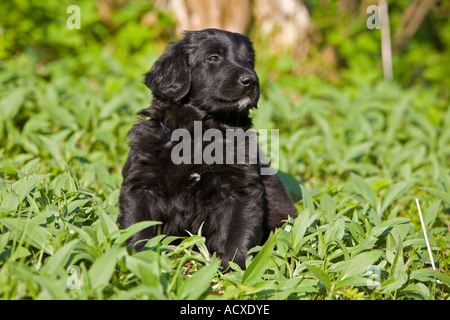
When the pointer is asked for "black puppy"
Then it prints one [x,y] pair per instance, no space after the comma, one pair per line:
[204,81]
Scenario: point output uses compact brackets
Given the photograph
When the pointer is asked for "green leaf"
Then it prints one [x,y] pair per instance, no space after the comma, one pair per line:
[301,223]
[425,275]
[16,253]
[363,188]
[388,224]
[25,185]
[51,289]
[335,231]
[259,265]
[52,144]
[441,194]
[108,226]
[300,226]
[308,202]
[320,275]
[194,287]
[359,264]
[398,265]
[417,289]
[9,172]
[10,105]
[328,205]
[394,193]
[290,183]
[287,287]
[71,206]
[133,229]
[357,150]
[103,268]
[365,245]
[60,258]
[430,213]
[32,234]
[86,237]
[353,281]
[10,202]
[134,293]
[356,230]
[51,106]
[394,283]
[28,276]
[148,272]
[189,243]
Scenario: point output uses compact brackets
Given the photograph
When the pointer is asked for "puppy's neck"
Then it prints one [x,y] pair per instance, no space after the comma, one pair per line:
[231,119]
[176,116]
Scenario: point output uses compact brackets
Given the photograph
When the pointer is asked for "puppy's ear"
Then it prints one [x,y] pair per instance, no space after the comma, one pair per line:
[170,76]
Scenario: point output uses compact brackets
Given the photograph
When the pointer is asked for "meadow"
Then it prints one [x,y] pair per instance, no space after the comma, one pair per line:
[355,154]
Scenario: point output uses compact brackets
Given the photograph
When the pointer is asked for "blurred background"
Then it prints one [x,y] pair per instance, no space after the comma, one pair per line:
[320,37]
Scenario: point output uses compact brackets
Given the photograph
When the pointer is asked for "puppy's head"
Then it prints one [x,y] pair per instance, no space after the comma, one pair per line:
[211,69]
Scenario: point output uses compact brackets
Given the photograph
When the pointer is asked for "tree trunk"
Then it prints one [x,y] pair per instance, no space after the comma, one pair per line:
[232,15]
[285,23]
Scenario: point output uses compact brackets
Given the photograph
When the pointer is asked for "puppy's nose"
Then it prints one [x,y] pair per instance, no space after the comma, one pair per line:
[247,80]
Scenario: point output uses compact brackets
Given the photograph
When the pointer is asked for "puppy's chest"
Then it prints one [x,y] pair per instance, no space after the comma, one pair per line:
[206,161]
[211,180]
[203,145]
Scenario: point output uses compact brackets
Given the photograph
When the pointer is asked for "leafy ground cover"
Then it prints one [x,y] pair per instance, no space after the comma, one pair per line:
[354,154]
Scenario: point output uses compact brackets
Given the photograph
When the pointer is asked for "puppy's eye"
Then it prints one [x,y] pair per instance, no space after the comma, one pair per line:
[214,59]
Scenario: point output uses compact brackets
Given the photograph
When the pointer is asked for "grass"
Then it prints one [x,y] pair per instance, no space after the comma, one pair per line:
[357,236]
[354,156]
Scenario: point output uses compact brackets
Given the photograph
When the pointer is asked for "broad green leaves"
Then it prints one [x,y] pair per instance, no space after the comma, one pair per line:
[259,265]
[25,185]
[303,221]
[30,233]
[320,275]
[11,103]
[336,243]
[364,189]
[102,269]
[133,229]
[380,204]
[194,287]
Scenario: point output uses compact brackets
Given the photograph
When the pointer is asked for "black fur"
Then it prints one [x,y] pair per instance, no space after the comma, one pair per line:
[207,76]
